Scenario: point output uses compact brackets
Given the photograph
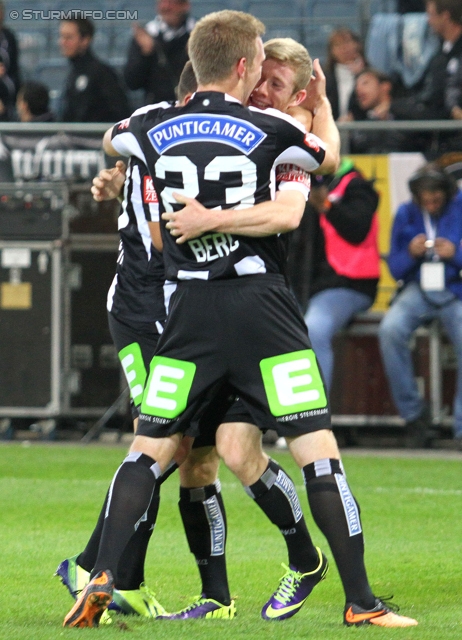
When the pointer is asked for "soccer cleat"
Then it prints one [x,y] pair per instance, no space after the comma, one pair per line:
[106,618]
[203,608]
[294,588]
[73,576]
[92,602]
[382,615]
[140,602]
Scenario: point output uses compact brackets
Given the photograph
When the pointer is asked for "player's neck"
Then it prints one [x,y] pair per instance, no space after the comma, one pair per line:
[224,87]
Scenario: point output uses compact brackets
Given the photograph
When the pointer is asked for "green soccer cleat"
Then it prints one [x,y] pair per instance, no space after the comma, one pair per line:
[73,576]
[204,608]
[138,602]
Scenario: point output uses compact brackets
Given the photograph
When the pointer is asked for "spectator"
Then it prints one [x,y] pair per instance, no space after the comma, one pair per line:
[7,93]
[93,91]
[431,100]
[33,103]
[340,232]
[345,59]
[158,53]
[373,97]
[426,260]
[9,52]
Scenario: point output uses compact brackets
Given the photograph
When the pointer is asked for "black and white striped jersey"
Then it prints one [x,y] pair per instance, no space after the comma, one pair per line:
[136,293]
[224,154]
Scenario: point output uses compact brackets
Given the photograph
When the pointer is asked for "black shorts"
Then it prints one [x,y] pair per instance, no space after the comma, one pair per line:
[144,337]
[246,335]
[136,345]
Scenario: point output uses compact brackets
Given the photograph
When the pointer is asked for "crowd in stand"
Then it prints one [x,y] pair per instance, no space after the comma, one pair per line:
[407,69]
[411,58]
[363,83]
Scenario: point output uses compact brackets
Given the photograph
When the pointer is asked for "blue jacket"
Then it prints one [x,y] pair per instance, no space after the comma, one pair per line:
[408,223]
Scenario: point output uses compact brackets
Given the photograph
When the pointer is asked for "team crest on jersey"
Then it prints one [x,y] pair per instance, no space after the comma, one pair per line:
[149,193]
[312,142]
[237,133]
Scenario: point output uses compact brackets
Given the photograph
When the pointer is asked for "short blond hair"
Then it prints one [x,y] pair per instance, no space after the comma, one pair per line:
[219,40]
[293,54]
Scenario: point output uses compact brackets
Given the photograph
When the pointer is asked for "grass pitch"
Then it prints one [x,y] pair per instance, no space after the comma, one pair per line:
[50,496]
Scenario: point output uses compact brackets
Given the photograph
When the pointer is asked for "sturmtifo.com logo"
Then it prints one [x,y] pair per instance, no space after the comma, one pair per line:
[74,14]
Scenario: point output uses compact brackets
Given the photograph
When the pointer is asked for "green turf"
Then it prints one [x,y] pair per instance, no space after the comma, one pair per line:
[411,510]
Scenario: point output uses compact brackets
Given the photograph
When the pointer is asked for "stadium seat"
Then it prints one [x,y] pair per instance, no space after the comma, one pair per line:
[200,8]
[271,9]
[121,36]
[101,44]
[349,11]
[53,74]
[33,45]
[315,39]
[382,6]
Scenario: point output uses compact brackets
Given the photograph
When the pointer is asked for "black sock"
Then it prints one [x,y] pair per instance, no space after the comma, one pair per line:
[337,514]
[130,572]
[87,558]
[276,496]
[129,499]
[131,566]
[204,520]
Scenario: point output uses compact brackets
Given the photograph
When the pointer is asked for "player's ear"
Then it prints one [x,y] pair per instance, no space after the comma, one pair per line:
[298,98]
[241,67]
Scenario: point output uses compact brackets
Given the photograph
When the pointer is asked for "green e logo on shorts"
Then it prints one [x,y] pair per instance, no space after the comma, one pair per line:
[293,383]
[168,387]
[134,369]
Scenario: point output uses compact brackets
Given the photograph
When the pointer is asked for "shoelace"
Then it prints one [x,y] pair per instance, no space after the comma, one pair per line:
[149,592]
[390,605]
[289,582]
[194,605]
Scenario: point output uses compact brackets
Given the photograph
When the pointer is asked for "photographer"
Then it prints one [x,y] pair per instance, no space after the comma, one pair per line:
[426,260]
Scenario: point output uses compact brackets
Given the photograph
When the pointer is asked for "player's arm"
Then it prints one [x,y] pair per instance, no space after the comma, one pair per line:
[156,236]
[323,124]
[108,147]
[265,219]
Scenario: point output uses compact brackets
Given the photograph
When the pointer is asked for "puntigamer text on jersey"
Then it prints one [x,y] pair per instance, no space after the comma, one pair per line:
[242,135]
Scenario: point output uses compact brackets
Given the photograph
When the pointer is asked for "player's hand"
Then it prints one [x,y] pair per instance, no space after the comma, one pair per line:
[145,42]
[417,246]
[316,89]
[189,222]
[444,248]
[108,184]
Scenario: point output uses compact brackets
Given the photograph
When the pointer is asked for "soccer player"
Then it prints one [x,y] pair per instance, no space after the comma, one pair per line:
[244,329]
[279,87]
[136,313]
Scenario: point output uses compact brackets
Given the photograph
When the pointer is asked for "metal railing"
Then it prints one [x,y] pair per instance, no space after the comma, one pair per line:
[434,126]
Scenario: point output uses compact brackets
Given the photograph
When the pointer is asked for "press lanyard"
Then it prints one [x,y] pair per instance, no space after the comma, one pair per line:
[430,231]
[432,277]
